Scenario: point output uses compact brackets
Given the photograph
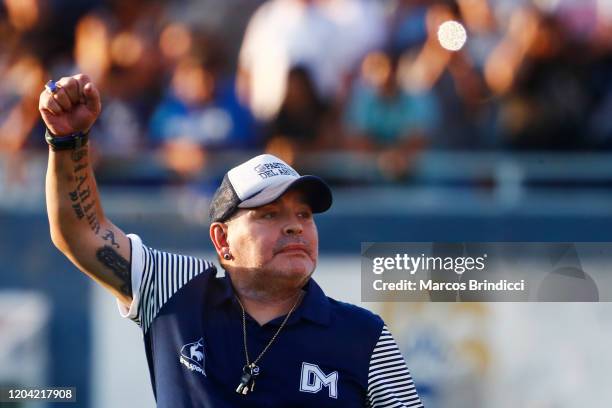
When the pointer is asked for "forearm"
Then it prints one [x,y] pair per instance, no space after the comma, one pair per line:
[78,226]
[73,203]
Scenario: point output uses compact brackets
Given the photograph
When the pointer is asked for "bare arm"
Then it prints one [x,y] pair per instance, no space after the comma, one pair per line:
[77,223]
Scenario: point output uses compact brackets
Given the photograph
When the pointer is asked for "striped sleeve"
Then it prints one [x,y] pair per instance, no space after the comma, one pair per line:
[156,276]
[389,381]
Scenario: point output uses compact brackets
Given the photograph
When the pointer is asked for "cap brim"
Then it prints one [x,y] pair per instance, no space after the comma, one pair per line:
[316,191]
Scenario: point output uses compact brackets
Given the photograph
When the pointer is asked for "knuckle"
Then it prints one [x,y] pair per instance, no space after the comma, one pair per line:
[43,103]
[62,98]
[70,83]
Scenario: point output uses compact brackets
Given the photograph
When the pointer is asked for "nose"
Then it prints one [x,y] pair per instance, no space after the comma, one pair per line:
[293,227]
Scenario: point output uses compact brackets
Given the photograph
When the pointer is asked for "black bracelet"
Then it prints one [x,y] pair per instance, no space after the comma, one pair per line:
[70,142]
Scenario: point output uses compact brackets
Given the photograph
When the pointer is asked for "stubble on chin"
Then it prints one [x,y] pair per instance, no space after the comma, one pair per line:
[268,283]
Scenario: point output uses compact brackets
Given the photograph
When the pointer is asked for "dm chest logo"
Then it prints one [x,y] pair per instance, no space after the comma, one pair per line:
[192,356]
[313,379]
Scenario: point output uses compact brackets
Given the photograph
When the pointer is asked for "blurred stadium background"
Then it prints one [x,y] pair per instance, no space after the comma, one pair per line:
[506,140]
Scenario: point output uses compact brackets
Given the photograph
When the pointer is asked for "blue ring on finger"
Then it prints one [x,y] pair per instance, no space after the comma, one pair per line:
[51,86]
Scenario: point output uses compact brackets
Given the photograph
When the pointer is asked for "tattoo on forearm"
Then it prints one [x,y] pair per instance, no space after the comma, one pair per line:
[84,194]
[81,178]
[78,211]
[110,236]
[116,263]
[80,167]
[87,208]
[77,155]
[83,205]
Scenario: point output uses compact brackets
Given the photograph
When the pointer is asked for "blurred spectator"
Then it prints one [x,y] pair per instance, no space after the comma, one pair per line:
[532,75]
[537,112]
[600,86]
[382,116]
[600,83]
[425,67]
[118,49]
[328,37]
[22,79]
[304,122]
[199,112]
[407,25]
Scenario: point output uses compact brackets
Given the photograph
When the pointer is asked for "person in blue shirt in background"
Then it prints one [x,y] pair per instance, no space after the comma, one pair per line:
[383,117]
[200,113]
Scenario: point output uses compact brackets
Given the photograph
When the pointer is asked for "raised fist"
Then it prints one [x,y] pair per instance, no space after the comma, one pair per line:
[73,107]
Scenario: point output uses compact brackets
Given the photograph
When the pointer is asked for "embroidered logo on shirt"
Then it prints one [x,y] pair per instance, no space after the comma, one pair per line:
[192,356]
[313,379]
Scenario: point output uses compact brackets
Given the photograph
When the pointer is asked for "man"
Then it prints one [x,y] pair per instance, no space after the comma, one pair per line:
[326,37]
[263,335]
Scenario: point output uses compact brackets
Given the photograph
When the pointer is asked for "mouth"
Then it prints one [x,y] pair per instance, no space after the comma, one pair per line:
[294,249]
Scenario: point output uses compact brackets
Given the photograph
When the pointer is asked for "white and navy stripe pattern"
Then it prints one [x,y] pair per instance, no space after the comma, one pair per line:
[156,277]
[163,275]
[389,381]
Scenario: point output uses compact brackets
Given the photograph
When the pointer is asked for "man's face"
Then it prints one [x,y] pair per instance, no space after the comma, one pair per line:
[275,244]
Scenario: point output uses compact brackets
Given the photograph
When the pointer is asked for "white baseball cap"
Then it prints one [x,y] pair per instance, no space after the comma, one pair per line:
[261,180]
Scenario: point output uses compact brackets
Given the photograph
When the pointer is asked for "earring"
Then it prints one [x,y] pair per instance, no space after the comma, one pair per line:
[227,256]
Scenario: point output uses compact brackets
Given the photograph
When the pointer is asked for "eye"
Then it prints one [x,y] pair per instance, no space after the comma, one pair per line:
[305,215]
[268,215]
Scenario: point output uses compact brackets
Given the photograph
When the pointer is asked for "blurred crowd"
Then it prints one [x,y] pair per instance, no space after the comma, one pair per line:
[187,78]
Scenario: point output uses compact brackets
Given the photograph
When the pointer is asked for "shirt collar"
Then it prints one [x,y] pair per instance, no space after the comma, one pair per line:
[314,307]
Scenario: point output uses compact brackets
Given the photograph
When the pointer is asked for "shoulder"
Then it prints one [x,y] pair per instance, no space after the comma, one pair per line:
[356,318]
[356,331]
[161,278]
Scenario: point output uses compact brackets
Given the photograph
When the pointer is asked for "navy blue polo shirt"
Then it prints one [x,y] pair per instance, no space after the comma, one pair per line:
[329,354]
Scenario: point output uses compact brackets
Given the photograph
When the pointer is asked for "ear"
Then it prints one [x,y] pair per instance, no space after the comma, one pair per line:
[218,236]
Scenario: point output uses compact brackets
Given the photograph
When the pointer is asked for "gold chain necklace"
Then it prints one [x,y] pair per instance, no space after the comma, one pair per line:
[251,370]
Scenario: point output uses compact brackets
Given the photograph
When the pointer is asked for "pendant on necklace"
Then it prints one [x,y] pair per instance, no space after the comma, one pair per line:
[247,381]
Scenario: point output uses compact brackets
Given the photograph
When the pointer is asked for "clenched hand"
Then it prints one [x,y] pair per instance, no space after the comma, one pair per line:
[74,107]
